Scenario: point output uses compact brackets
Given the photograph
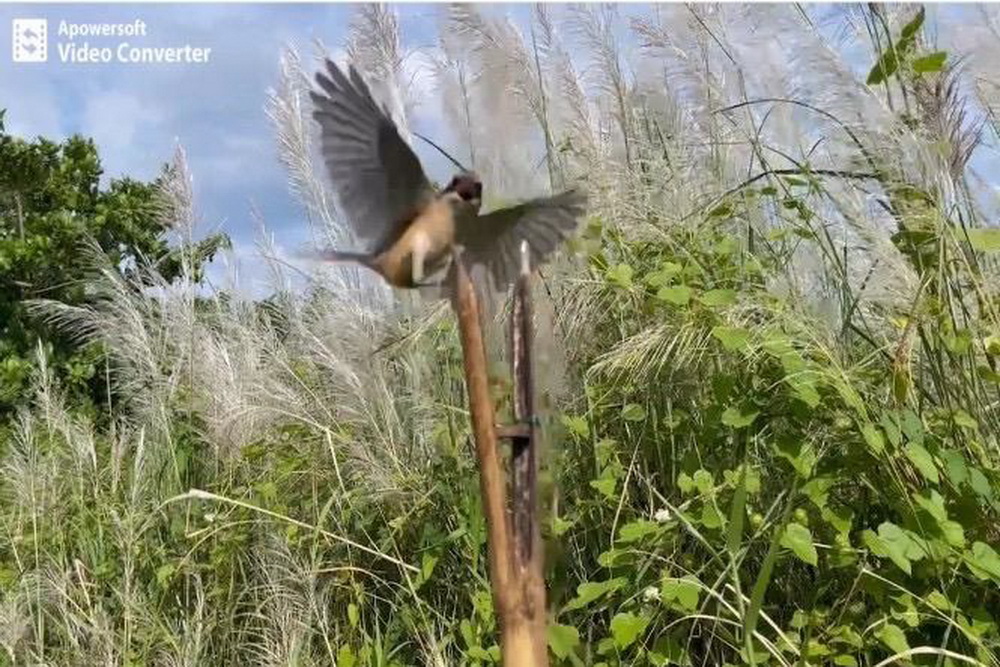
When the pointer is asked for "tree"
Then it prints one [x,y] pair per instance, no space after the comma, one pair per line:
[52,204]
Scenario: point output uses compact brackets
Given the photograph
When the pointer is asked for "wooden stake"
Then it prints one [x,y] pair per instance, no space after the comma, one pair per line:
[518,588]
[528,553]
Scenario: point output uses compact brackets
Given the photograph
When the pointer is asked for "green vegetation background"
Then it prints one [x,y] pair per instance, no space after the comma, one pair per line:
[772,417]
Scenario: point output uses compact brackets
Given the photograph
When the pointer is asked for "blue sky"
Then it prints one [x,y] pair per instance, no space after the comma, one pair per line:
[137,113]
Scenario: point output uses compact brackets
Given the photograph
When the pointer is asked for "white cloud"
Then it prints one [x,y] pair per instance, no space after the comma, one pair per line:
[122,126]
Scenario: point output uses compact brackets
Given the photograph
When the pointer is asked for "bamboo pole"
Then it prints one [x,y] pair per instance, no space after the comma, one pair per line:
[518,588]
[528,553]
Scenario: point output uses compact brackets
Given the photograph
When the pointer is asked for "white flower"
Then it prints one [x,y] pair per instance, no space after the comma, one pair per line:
[662,516]
[651,594]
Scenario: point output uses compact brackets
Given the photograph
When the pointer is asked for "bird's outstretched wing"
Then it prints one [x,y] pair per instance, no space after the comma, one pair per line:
[378,179]
[494,240]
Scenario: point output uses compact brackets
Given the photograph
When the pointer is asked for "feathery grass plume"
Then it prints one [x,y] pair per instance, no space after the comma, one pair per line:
[290,116]
[772,184]
[15,626]
[594,28]
[279,625]
[186,636]
[374,46]
[499,53]
[452,80]
[567,108]
[685,46]
[507,148]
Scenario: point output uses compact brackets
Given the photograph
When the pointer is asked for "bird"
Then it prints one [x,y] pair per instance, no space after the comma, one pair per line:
[411,230]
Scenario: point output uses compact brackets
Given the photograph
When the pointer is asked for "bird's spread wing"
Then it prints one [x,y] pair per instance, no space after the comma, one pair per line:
[378,179]
[494,240]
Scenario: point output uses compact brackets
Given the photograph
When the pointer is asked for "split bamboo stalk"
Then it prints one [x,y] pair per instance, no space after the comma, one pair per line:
[515,556]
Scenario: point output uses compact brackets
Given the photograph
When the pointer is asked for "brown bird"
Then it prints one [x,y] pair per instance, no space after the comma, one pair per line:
[389,203]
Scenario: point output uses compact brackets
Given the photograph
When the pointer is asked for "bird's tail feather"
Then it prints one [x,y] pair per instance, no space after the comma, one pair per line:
[330,255]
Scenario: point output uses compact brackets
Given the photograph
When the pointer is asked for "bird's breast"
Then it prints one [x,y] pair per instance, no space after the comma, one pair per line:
[432,232]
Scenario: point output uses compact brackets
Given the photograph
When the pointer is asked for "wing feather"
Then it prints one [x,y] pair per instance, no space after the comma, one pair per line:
[494,240]
[378,179]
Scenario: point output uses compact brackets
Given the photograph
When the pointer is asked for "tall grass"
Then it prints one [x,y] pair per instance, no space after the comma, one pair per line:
[831,369]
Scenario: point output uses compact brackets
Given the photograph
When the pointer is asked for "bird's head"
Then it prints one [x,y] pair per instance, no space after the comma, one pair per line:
[466,187]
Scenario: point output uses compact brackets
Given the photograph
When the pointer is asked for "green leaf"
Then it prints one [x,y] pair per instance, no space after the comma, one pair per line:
[685,483]
[626,628]
[621,275]
[734,417]
[817,490]
[909,31]
[932,503]
[636,530]
[562,639]
[799,539]
[668,271]
[979,484]
[845,634]
[163,573]
[891,428]
[888,63]
[938,600]
[606,485]
[923,461]
[840,518]
[801,455]
[718,297]
[479,653]
[577,425]
[930,63]
[589,591]
[899,546]
[710,517]
[913,427]
[964,420]
[703,480]
[953,533]
[669,651]
[732,338]
[427,564]
[737,512]
[983,561]
[804,389]
[678,295]
[633,412]
[721,211]
[561,525]
[684,591]
[346,657]
[610,558]
[875,543]
[892,636]
[954,465]
[985,240]
[873,438]
[883,69]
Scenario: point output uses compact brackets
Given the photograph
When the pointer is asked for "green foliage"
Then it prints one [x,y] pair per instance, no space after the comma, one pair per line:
[754,463]
[900,54]
[53,207]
